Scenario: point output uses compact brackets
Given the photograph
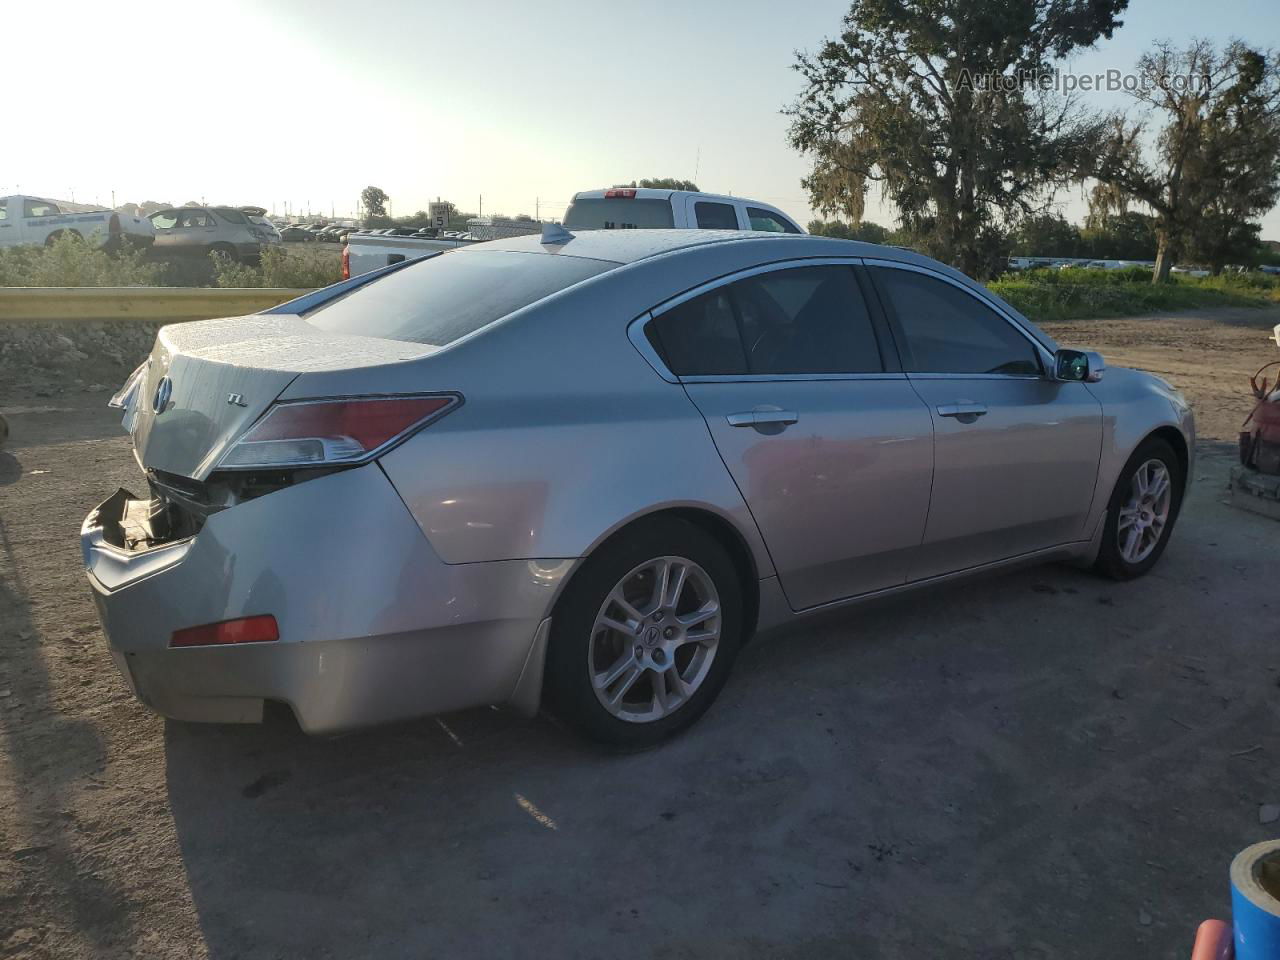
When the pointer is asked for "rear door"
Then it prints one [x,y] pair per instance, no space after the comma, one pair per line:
[1016,452]
[829,445]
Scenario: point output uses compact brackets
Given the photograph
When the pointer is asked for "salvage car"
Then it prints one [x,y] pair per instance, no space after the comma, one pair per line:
[201,231]
[582,471]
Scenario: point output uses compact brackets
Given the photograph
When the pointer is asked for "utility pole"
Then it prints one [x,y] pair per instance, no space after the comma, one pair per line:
[481,213]
[113,199]
[537,209]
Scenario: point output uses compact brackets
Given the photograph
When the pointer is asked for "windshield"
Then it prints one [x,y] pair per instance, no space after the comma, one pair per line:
[229,215]
[618,213]
[450,295]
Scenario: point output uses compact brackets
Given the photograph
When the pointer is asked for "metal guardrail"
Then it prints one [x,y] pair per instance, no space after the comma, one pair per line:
[71,304]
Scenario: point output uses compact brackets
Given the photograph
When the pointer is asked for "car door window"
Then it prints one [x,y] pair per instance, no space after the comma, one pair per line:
[193,218]
[770,222]
[715,216]
[803,320]
[699,338]
[40,208]
[164,220]
[946,330]
[806,320]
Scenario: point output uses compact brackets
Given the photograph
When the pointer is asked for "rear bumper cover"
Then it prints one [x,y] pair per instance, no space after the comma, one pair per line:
[373,625]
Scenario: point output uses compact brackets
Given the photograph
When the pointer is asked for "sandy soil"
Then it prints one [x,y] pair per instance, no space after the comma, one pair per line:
[1038,765]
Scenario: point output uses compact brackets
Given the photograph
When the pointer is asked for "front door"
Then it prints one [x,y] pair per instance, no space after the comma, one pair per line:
[1015,452]
[832,452]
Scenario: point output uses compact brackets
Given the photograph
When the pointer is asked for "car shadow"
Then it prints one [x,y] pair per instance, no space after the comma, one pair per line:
[49,759]
[10,468]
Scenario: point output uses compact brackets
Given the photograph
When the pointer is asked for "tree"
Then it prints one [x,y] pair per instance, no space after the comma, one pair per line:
[663,183]
[865,231]
[1216,162]
[1045,235]
[934,101]
[375,201]
[1123,236]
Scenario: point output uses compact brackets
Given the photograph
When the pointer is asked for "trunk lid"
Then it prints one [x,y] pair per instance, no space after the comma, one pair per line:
[216,377]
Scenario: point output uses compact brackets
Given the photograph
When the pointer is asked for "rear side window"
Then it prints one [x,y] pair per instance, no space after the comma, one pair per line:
[949,331]
[715,216]
[806,320]
[770,222]
[618,213]
[229,214]
[699,338]
[448,296]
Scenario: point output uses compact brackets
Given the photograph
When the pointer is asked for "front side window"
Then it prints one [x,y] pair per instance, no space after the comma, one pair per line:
[164,220]
[946,330]
[770,222]
[805,320]
[715,216]
[448,296]
[40,208]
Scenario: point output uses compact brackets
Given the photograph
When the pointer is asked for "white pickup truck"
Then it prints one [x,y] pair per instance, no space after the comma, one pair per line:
[39,221]
[616,208]
[648,208]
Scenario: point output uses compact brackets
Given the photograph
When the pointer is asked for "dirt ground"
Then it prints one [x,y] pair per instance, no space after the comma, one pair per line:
[1041,764]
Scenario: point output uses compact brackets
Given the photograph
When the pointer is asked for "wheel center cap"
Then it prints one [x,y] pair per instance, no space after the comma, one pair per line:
[651,636]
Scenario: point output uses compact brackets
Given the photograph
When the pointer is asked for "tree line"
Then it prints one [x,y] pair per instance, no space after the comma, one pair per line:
[914,98]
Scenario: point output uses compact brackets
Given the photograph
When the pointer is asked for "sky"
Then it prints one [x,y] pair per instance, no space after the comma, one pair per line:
[299,104]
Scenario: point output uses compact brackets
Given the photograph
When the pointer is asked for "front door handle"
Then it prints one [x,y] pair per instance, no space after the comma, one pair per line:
[966,411]
[756,418]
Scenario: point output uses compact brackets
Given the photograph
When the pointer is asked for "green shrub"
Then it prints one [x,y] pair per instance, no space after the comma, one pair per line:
[71,262]
[279,268]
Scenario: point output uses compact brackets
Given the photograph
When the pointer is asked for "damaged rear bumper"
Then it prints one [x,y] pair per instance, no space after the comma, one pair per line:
[373,625]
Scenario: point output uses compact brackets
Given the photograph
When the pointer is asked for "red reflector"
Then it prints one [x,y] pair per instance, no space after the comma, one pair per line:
[371,422]
[626,193]
[346,263]
[259,629]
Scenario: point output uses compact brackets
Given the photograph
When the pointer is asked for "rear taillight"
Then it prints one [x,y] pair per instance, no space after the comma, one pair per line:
[260,629]
[346,262]
[313,433]
[624,193]
[113,225]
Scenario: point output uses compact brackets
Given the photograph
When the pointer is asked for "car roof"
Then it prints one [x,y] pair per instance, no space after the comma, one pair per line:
[630,246]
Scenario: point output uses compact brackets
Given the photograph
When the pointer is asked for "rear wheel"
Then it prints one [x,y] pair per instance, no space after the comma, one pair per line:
[1142,511]
[645,635]
[227,250]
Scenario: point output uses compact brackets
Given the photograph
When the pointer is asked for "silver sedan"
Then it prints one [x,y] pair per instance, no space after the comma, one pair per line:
[582,471]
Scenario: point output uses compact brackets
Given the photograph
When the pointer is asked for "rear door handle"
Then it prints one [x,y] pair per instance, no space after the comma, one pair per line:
[754,418]
[966,410]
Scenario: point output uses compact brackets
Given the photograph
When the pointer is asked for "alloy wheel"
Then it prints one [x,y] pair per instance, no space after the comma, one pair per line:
[1145,514]
[654,639]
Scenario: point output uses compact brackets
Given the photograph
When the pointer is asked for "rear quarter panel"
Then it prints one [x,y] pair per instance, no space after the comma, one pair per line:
[566,432]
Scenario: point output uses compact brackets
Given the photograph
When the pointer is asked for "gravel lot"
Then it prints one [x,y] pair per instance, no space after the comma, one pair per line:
[1042,764]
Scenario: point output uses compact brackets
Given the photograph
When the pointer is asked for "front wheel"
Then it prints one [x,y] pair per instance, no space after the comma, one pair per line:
[644,638]
[1142,511]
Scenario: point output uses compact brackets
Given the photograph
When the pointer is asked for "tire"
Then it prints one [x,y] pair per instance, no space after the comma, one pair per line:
[690,672]
[52,238]
[227,250]
[1116,559]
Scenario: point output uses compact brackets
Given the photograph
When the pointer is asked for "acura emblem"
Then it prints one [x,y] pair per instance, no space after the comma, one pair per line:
[164,389]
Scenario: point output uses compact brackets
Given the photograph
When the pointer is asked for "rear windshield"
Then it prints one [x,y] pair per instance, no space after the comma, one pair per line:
[618,213]
[452,294]
[229,215]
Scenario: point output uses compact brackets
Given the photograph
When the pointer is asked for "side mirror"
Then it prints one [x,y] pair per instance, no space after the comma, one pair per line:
[1078,366]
